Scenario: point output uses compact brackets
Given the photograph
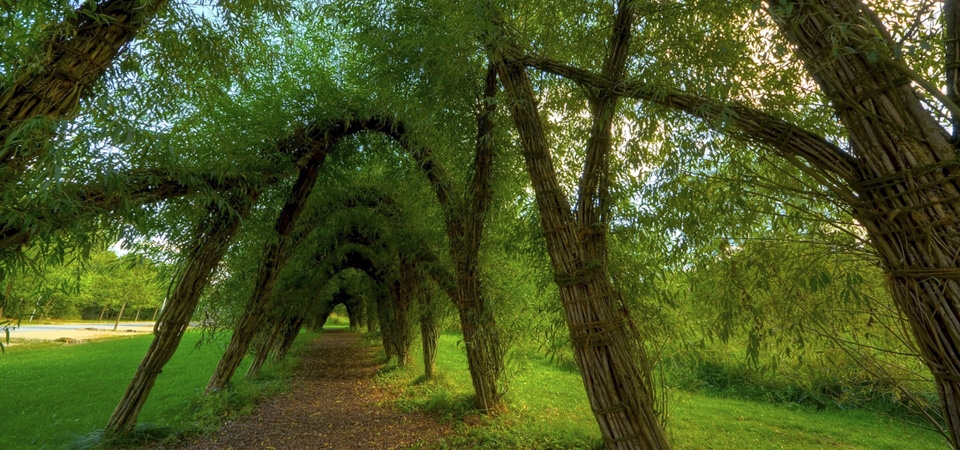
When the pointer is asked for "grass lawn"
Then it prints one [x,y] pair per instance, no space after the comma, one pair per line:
[548,409]
[52,394]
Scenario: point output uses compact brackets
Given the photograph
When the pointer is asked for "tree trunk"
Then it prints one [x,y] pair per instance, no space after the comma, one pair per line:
[102,311]
[386,328]
[606,346]
[360,310]
[352,316]
[264,347]
[291,329]
[464,228]
[401,309]
[6,298]
[324,314]
[119,316]
[908,187]
[274,257]
[429,331]
[373,315]
[155,311]
[481,339]
[211,241]
[137,317]
[610,360]
[78,53]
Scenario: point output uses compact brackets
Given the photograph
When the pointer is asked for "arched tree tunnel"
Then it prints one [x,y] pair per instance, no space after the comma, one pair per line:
[310,146]
[235,139]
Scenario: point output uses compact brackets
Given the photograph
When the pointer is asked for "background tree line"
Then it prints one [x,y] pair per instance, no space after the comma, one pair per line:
[92,288]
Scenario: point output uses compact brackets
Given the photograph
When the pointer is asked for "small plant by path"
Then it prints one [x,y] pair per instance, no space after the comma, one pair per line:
[333,403]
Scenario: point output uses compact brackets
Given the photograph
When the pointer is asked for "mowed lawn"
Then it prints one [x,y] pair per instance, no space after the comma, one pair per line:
[52,394]
[549,409]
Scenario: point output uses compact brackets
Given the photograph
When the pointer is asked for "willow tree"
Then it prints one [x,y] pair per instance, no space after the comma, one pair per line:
[895,171]
[99,73]
[278,249]
[395,249]
[612,361]
[273,259]
[46,86]
[211,238]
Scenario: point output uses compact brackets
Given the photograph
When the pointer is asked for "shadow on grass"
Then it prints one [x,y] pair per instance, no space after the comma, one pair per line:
[142,434]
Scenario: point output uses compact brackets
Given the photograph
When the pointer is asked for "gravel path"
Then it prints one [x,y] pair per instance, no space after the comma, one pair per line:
[333,404]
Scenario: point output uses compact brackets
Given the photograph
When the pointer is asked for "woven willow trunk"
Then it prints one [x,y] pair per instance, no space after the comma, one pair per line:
[429,329]
[274,256]
[386,328]
[373,316]
[429,336]
[291,328]
[909,198]
[79,53]
[481,339]
[399,325]
[605,347]
[213,237]
[605,342]
[353,316]
[406,293]
[266,344]
[465,225]
[359,313]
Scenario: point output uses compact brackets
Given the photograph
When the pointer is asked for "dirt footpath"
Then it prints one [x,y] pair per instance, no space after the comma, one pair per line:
[333,404]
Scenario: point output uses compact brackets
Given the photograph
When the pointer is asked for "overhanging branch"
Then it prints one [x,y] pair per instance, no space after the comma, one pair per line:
[836,167]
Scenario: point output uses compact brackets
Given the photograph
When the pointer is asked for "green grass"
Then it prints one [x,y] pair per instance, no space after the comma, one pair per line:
[336,320]
[548,409]
[52,395]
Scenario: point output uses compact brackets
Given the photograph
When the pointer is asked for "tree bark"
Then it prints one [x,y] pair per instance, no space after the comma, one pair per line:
[401,309]
[464,227]
[274,257]
[74,58]
[102,311]
[951,64]
[263,348]
[212,238]
[429,330]
[119,316]
[136,318]
[386,328]
[611,359]
[359,313]
[907,164]
[373,316]
[291,329]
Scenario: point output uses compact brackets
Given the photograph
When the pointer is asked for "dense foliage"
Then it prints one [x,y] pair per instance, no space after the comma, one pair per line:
[706,190]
